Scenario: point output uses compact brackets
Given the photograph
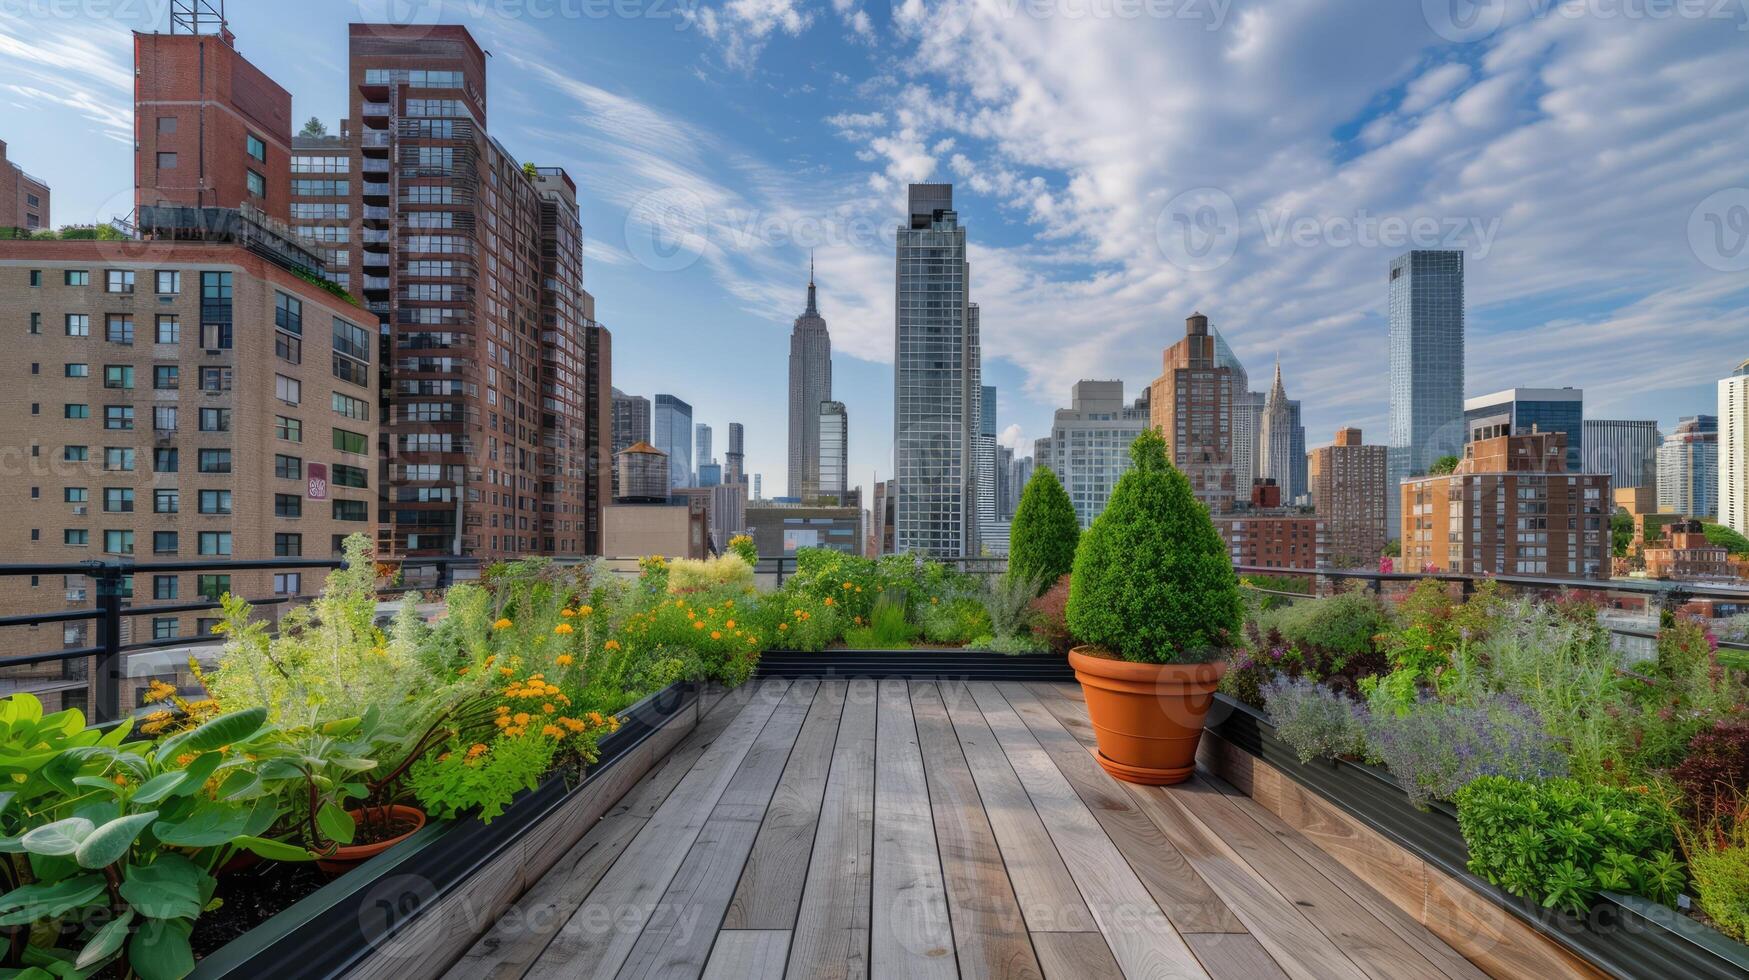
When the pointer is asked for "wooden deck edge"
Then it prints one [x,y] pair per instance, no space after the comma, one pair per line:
[1490,937]
[449,928]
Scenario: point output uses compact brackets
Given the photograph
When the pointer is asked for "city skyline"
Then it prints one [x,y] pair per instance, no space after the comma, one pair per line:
[1425,127]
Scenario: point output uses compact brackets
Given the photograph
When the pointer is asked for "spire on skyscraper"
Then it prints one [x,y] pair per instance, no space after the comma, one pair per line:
[812,310]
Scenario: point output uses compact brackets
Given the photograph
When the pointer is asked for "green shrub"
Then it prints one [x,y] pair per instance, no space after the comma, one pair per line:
[953,622]
[1007,604]
[742,544]
[1333,629]
[728,571]
[1045,531]
[1022,643]
[1560,842]
[1721,884]
[887,627]
[1152,580]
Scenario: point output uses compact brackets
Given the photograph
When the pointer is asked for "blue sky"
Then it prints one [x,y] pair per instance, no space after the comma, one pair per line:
[1120,163]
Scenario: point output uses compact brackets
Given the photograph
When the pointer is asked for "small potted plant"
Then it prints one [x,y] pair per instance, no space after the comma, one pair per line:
[1153,600]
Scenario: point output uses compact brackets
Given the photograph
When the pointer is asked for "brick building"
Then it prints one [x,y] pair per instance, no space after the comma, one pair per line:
[174,401]
[1264,534]
[1510,508]
[1348,492]
[24,200]
[1685,555]
[1191,405]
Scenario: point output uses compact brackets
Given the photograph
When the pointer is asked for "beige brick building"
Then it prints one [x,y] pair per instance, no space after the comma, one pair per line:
[1348,490]
[173,402]
[24,200]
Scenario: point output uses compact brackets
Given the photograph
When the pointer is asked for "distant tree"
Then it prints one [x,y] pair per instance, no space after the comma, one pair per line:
[313,128]
[1045,532]
[1722,536]
[1393,548]
[1443,465]
[1621,531]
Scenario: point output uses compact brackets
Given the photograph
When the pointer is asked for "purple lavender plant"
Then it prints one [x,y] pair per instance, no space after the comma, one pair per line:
[1315,720]
[1436,749]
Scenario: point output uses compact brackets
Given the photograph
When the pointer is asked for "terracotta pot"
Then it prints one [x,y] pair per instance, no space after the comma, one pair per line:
[352,855]
[1146,717]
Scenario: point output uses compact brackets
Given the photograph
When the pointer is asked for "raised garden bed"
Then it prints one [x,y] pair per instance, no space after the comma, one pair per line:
[414,909]
[975,665]
[1624,935]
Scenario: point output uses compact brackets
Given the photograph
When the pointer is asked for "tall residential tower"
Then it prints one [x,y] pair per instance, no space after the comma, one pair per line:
[1426,311]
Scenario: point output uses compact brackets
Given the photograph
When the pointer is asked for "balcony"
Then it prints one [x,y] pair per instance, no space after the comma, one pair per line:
[374,139]
[374,212]
[374,165]
[375,189]
[370,109]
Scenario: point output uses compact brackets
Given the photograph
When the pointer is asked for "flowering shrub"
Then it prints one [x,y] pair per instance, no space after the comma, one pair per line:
[719,627]
[1316,721]
[1559,842]
[729,572]
[1435,749]
[954,621]
[742,544]
[795,620]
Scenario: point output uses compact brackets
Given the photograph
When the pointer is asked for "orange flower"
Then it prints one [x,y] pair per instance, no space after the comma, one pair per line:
[522,717]
[828,600]
[562,628]
[586,611]
[548,708]
[716,634]
[476,750]
[552,731]
[502,624]
[564,659]
[781,627]
[610,645]
[506,671]
[698,624]
[729,625]
[567,613]
[848,586]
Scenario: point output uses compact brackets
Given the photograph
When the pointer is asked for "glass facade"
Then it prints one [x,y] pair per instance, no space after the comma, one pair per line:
[834,438]
[673,431]
[1426,311]
[1520,411]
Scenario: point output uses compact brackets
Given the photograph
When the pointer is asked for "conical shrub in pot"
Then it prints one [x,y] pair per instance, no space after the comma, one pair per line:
[1041,544]
[1154,602]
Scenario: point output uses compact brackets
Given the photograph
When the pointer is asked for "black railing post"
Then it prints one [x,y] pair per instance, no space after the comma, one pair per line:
[106,668]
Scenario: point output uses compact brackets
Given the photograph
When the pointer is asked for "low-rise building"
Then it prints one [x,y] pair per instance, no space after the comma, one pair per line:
[1264,534]
[24,200]
[1685,555]
[783,529]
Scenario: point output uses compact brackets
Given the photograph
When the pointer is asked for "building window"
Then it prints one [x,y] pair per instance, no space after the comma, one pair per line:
[289,429]
[342,475]
[215,420]
[256,149]
[215,501]
[169,329]
[78,370]
[352,408]
[78,325]
[118,376]
[288,348]
[288,545]
[36,277]
[166,124]
[165,587]
[76,537]
[164,627]
[166,377]
[166,501]
[288,505]
[74,410]
[164,418]
[36,323]
[256,183]
[288,313]
[164,543]
[119,328]
[215,336]
[287,390]
[351,442]
[351,510]
[169,282]
[215,461]
[215,543]
[215,379]
[351,353]
[118,542]
[119,281]
[118,416]
[288,583]
[212,587]
[76,277]
[165,460]
[119,459]
[74,454]
[166,160]
[288,467]
[74,495]
[118,500]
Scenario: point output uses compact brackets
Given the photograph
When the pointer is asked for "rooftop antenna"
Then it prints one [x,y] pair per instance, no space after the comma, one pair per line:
[197,17]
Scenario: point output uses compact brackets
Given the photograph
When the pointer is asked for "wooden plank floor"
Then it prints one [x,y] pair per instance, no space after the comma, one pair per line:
[937,828]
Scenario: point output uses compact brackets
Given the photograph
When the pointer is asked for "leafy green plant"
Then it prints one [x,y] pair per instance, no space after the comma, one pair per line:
[953,622]
[1560,842]
[887,629]
[1045,531]
[1152,579]
[728,571]
[1008,602]
[1316,721]
[743,545]
[1718,860]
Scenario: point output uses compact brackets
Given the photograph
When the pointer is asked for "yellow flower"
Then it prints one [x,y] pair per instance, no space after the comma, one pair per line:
[782,627]
[564,659]
[567,613]
[848,586]
[562,628]
[934,600]
[548,708]
[594,717]
[552,731]
[506,671]
[586,611]
[502,624]
[503,709]
[828,600]
[610,645]
[502,721]
[522,717]
[798,614]
[859,589]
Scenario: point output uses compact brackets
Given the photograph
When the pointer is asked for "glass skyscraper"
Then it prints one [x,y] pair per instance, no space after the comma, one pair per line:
[1426,311]
[834,440]
[937,391]
[673,431]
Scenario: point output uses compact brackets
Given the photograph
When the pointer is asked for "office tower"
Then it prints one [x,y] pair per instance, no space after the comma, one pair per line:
[597,428]
[1510,508]
[198,399]
[1089,445]
[1004,472]
[735,460]
[937,395]
[984,464]
[1348,491]
[631,419]
[834,440]
[1734,450]
[672,424]
[1688,468]
[24,200]
[1521,411]
[211,130]
[1625,449]
[758,486]
[710,474]
[810,383]
[702,441]
[882,518]
[1425,303]
[1276,438]
[1247,414]
[643,473]
[1019,472]
[572,459]
[1190,404]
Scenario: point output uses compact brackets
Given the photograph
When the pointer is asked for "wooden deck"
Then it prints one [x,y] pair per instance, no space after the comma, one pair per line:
[937,829]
